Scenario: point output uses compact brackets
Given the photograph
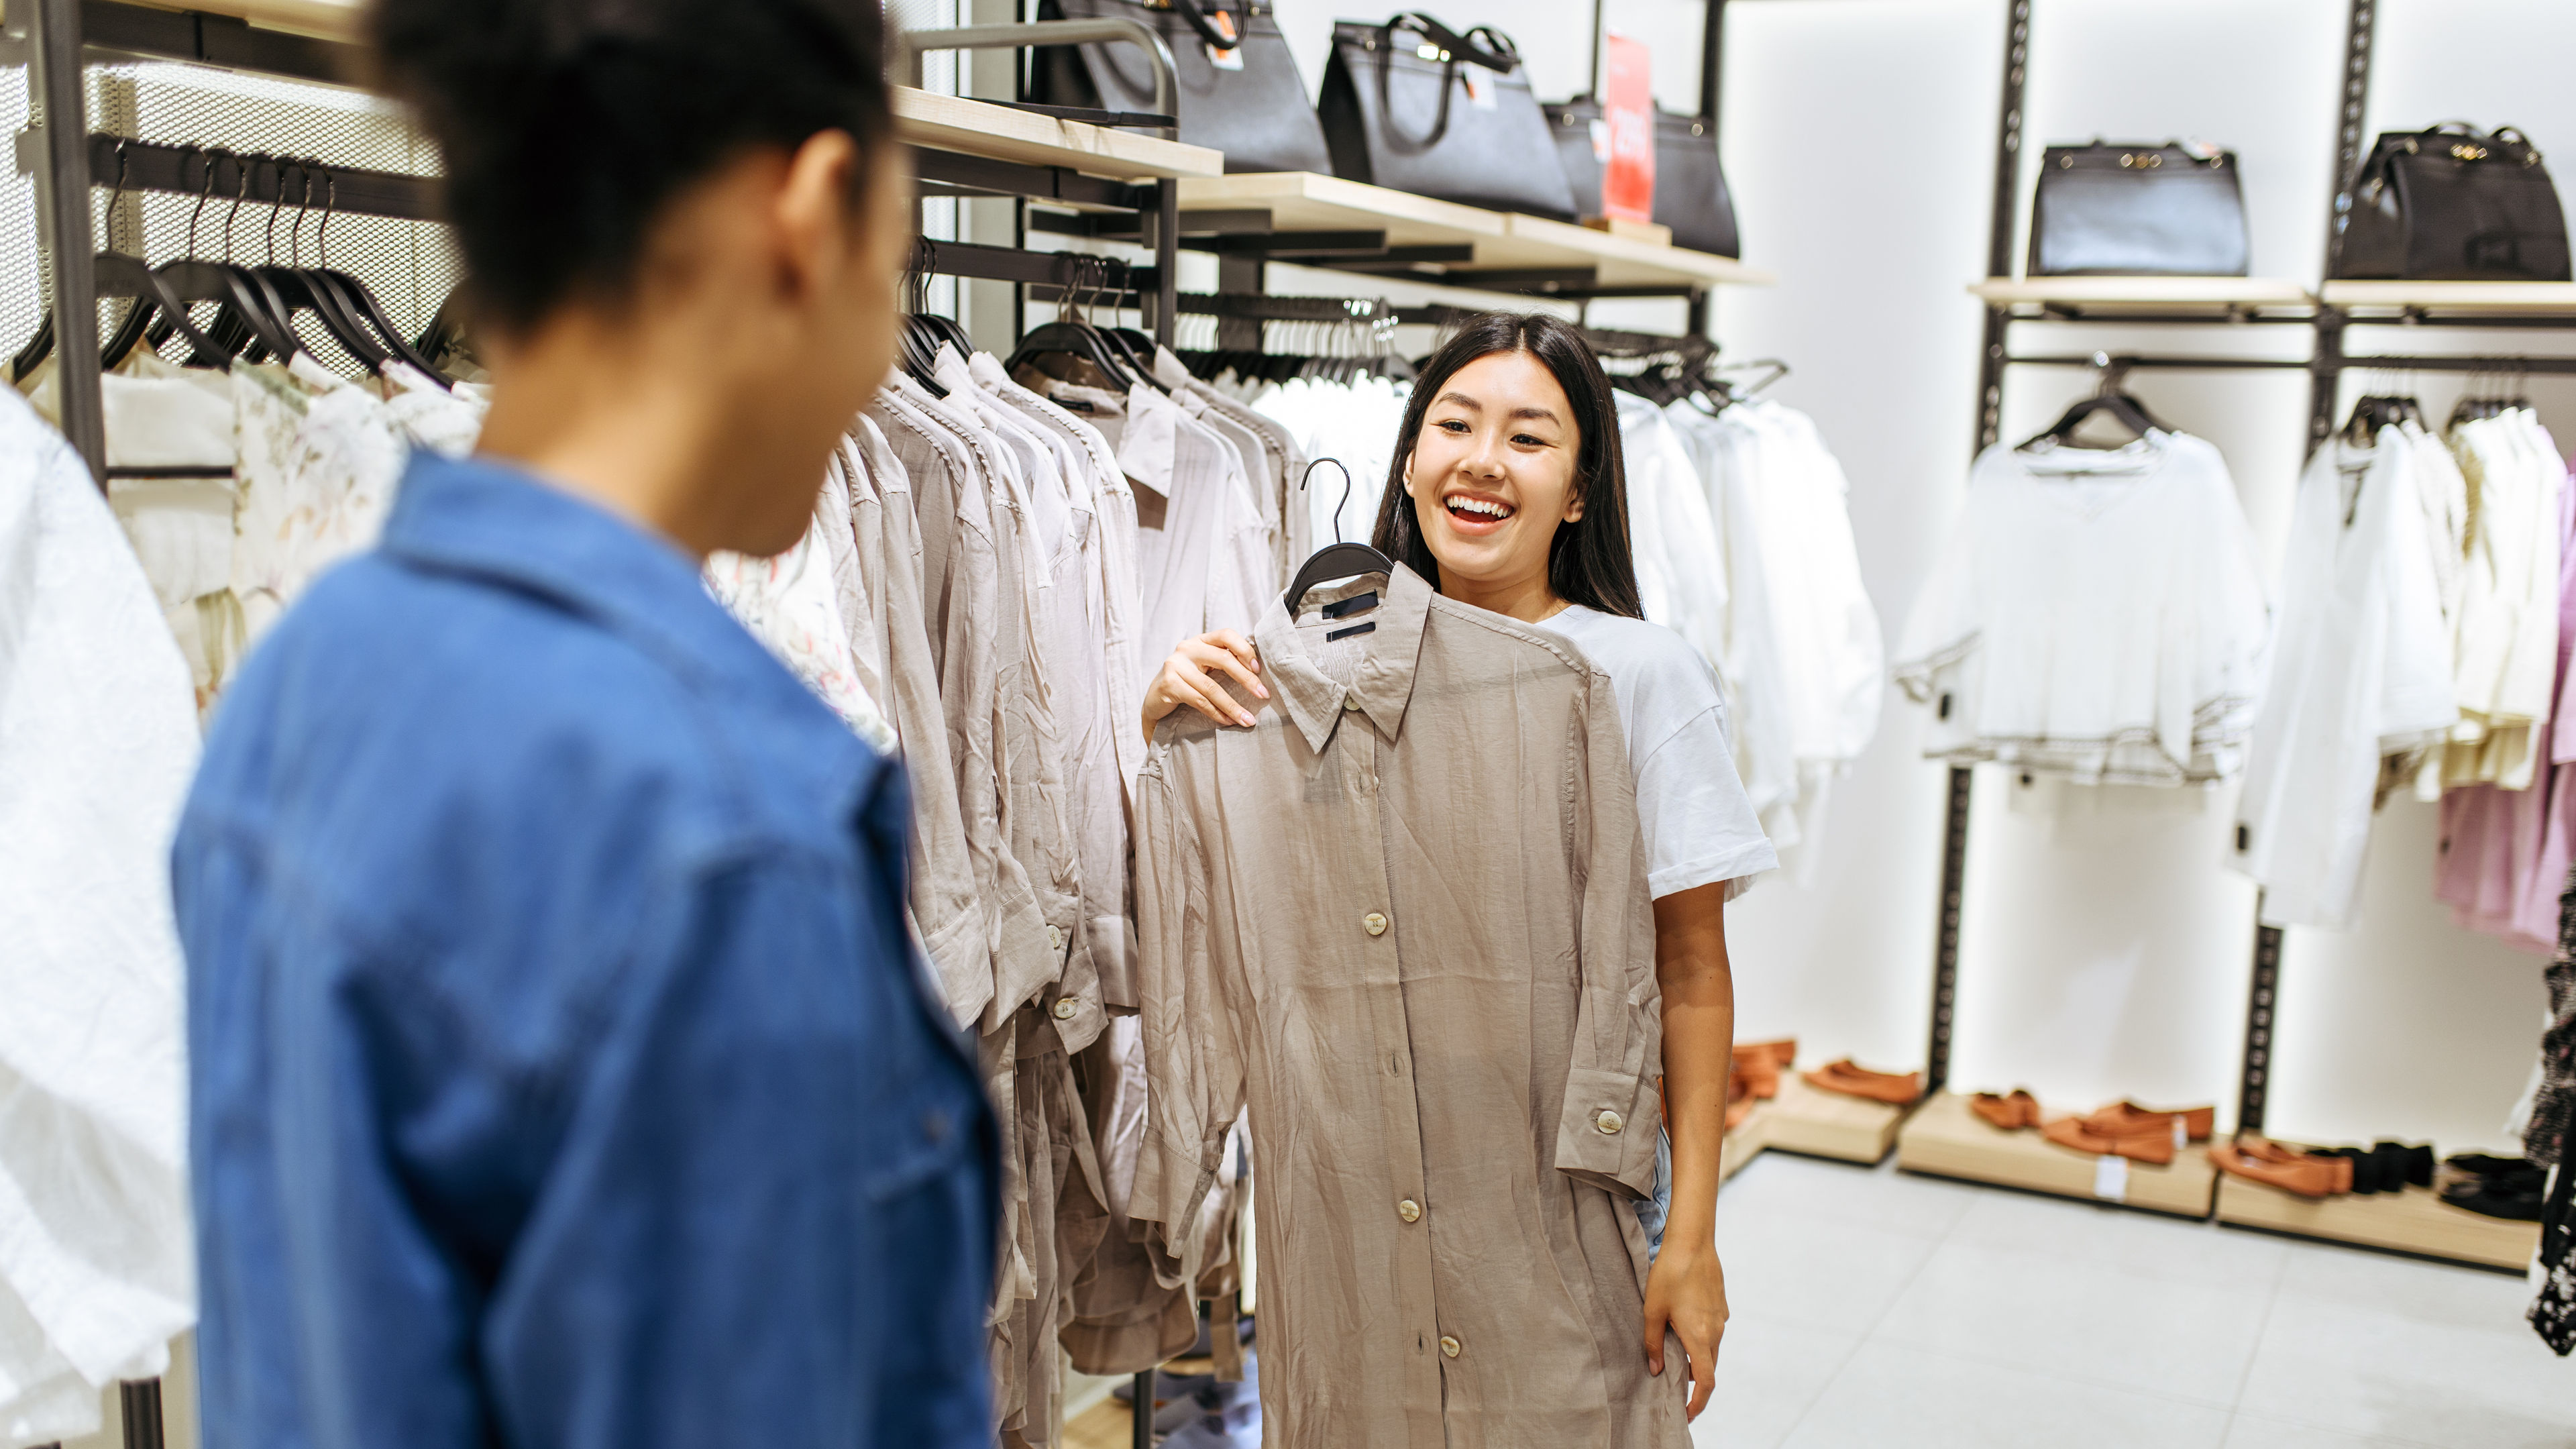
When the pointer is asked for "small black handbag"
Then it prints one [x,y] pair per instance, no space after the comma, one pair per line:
[2453,204]
[2137,210]
[1690,189]
[1415,106]
[1237,84]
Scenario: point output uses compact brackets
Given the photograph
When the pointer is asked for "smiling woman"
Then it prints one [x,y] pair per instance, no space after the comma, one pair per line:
[1510,436]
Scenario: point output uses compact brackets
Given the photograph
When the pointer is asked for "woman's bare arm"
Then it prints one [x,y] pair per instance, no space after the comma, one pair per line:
[1686,1289]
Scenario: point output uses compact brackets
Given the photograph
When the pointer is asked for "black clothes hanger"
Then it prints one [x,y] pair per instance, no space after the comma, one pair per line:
[253,321]
[2109,402]
[120,275]
[1074,337]
[915,351]
[2380,410]
[1338,560]
[301,291]
[357,301]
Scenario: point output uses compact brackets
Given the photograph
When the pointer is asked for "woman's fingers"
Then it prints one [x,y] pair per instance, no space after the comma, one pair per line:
[1702,1347]
[1211,654]
[1236,645]
[1658,1319]
[1191,686]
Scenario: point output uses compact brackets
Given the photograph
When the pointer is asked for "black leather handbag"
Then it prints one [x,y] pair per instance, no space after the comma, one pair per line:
[2137,210]
[2454,204]
[1237,84]
[1690,189]
[1415,106]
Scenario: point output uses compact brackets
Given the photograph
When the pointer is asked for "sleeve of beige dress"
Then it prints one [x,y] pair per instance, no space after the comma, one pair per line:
[1606,1133]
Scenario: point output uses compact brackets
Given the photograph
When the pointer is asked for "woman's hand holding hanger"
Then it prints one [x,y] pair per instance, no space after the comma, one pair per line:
[1190,677]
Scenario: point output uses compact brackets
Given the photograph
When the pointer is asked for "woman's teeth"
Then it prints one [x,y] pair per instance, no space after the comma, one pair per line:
[1480,507]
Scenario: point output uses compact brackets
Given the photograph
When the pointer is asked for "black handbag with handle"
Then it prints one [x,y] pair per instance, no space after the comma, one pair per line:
[1415,106]
[1237,84]
[1690,188]
[2138,210]
[2453,204]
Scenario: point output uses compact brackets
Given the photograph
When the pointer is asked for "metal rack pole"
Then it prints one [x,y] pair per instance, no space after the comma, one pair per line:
[1143,1434]
[1991,360]
[2325,384]
[56,147]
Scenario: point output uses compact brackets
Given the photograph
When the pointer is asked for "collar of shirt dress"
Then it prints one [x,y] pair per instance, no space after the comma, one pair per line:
[1404,920]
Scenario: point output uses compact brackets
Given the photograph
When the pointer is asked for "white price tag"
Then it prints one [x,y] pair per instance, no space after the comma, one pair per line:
[2111,1178]
[1482,93]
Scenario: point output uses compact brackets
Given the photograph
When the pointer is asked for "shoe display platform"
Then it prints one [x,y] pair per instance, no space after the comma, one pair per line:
[1945,1139]
[1746,1142]
[1807,1119]
[2413,1221]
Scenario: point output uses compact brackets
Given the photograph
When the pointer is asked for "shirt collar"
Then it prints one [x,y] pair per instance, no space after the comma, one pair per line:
[1383,684]
[478,517]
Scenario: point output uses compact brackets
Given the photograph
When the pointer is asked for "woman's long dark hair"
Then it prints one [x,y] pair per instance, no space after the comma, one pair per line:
[1588,561]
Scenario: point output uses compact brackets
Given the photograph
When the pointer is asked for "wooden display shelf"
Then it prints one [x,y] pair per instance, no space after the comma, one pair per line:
[2110,297]
[2538,299]
[1006,133]
[328,19]
[1303,201]
[2413,1221]
[1945,1139]
[1829,1124]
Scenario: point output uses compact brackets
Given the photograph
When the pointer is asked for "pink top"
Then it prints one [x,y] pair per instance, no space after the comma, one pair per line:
[2505,853]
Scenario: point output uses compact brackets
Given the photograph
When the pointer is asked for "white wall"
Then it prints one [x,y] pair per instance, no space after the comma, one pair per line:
[2105,951]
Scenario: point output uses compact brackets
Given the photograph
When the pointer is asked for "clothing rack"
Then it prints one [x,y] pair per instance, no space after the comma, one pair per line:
[2325,365]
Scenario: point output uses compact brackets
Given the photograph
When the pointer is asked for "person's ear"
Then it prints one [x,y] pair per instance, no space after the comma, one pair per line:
[1574,504]
[813,212]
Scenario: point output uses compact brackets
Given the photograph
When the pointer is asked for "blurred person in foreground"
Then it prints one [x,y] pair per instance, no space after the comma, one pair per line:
[561,1072]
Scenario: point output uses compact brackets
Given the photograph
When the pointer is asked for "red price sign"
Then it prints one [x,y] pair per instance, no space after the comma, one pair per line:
[1628,106]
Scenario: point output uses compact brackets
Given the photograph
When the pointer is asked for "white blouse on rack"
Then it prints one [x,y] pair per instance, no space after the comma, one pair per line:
[2099,615]
[2361,672]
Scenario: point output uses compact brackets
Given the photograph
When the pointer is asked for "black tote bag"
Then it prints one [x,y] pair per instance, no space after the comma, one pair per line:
[2137,209]
[1245,99]
[1690,188]
[2454,204]
[1415,106]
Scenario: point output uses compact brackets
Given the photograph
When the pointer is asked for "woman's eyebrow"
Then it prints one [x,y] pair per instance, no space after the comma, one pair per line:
[1541,414]
[1462,400]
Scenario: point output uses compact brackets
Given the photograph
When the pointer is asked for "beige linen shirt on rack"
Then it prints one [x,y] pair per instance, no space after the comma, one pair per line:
[1406,915]
[1035,814]
[961,578]
[945,905]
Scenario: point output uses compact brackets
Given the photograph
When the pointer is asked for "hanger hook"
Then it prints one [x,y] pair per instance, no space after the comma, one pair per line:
[1346,490]
[276,206]
[208,156]
[242,165]
[303,208]
[117,193]
[322,233]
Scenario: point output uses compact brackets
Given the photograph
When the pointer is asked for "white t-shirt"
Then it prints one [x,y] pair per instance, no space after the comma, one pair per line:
[1698,822]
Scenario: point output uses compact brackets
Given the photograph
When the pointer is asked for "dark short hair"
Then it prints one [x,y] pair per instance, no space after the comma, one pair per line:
[568,125]
[1588,561]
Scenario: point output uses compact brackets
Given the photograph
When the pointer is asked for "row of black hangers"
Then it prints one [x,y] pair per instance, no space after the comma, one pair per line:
[1264,366]
[256,306]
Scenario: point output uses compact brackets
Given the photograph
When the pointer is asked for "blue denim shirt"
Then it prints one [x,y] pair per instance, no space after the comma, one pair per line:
[561,1073]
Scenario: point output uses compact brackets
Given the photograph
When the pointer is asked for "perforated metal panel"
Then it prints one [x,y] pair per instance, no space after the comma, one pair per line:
[411,266]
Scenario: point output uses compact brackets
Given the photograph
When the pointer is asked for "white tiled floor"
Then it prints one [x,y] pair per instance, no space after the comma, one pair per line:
[1872,1308]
